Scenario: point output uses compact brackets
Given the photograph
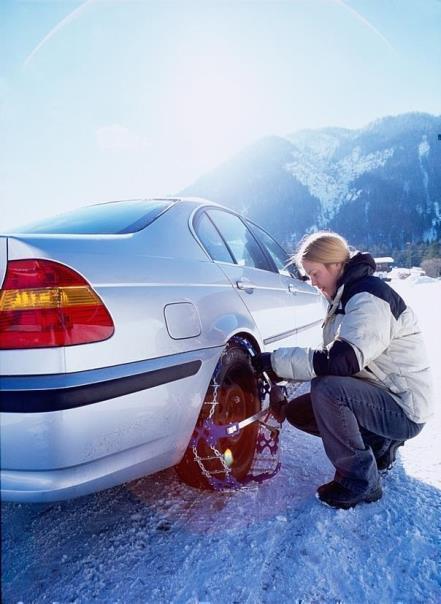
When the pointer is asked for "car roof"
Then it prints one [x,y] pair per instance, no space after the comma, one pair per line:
[202,201]
[196,201]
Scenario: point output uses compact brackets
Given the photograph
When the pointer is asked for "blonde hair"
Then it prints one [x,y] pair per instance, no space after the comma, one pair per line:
[325,247]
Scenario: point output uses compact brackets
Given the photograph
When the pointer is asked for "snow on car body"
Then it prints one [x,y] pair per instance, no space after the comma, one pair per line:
[80,417]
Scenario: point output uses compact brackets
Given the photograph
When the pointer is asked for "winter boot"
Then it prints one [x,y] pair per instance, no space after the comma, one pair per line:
[337,496]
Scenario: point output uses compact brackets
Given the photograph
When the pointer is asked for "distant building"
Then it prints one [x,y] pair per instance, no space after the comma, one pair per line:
[384,263]
[383,267]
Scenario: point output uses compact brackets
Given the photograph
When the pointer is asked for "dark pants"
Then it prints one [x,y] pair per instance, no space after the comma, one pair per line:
[357,422]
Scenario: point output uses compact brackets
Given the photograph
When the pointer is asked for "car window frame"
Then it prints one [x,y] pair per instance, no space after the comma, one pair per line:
[269,261]
[205,209]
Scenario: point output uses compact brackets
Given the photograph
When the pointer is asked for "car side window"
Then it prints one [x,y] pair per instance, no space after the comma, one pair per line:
[277,253]
[240,240]
[211,240]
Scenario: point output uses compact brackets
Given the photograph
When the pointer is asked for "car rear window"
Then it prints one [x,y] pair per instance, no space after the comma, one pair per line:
[113,218]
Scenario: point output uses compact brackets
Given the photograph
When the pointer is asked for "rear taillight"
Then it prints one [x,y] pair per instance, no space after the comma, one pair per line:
[45,304]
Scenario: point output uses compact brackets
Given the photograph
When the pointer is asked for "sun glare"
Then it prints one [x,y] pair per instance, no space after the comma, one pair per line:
[215,105]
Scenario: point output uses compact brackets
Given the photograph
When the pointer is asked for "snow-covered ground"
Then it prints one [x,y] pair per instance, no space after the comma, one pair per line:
[157,540]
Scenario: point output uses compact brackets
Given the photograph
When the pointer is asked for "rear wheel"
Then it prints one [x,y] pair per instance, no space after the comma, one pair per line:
[231,397]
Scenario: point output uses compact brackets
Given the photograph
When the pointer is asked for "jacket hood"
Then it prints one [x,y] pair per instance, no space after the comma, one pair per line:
[361,264]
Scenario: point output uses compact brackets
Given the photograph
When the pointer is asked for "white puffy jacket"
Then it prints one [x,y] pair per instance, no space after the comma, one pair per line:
[369,333]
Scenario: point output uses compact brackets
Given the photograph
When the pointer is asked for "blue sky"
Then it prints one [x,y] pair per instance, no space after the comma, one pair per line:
[112,99]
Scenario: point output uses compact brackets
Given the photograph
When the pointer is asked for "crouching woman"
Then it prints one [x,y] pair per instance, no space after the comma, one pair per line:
[370,382]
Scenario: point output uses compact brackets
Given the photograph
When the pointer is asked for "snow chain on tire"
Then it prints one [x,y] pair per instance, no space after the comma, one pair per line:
[265,463]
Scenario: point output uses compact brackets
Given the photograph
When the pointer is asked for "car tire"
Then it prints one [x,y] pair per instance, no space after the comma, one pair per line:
[234,387]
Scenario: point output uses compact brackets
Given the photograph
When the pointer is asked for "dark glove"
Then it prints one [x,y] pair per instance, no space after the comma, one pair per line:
[262,363]
[278,403]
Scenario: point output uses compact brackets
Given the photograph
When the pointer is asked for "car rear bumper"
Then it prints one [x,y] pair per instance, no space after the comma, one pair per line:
[66,435]
[67,483]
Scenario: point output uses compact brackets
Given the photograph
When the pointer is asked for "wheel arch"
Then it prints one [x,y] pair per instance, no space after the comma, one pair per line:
[250,338]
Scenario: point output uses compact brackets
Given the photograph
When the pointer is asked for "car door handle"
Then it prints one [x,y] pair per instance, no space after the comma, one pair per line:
[245,284]
[292,288]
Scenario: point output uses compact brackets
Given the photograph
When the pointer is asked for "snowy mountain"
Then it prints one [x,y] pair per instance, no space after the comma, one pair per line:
[380,185]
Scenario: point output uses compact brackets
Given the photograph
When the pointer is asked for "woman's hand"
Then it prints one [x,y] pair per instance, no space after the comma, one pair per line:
[261,363]
[278,403]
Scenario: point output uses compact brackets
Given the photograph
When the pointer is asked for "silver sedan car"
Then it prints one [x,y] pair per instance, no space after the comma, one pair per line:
[120,324]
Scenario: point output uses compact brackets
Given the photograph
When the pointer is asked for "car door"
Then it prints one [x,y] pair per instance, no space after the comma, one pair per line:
[306,303]
[250,271]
